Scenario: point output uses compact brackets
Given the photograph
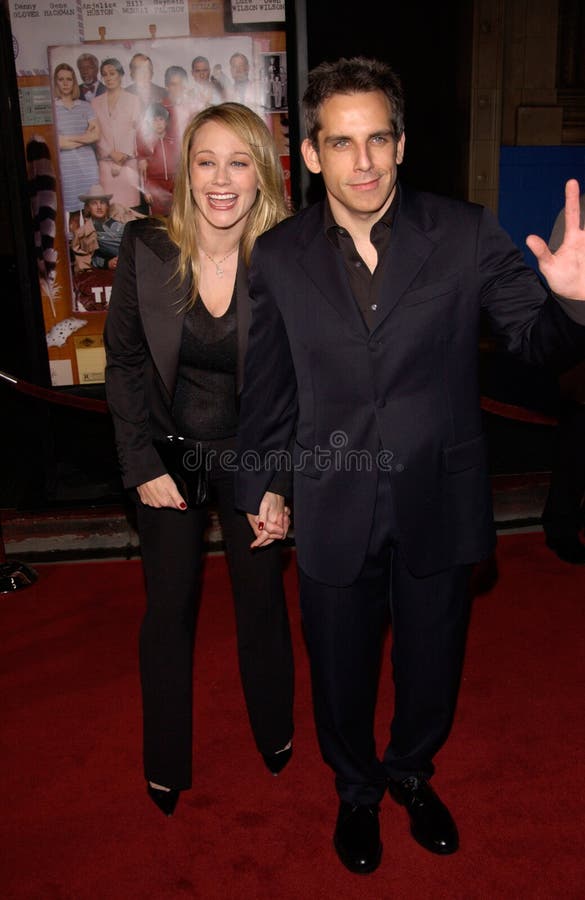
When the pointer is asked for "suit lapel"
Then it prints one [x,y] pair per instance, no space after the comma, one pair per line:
[324,266]
[243,320]
[409,250]
[162,299]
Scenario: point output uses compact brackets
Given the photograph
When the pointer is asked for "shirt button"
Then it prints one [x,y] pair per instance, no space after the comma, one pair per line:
[374,306]
[357,264]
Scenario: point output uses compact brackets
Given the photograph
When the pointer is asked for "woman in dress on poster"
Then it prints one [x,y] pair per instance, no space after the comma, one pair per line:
[78,131]
[118,113]
[175,341]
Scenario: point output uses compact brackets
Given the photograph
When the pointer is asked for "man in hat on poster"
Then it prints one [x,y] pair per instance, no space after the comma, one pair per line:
[97,242]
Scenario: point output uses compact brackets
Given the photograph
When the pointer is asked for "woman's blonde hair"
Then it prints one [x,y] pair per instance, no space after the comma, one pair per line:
[269,207]
[65,67]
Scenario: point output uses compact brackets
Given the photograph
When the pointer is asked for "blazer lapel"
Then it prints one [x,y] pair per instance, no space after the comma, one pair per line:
[162,299]
[324,266]
[410,248]
[243,321]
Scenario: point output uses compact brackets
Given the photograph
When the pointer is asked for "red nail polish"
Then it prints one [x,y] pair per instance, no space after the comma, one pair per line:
[260,526]
[183,505]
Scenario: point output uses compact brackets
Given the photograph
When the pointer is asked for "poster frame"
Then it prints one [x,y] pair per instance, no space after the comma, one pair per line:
[35,349]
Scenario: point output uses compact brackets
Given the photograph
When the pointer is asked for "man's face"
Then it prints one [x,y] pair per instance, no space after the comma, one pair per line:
[357,155]
[175,88]
[239,68]
[98,208]
[200,71]
[142,71]
[88,70]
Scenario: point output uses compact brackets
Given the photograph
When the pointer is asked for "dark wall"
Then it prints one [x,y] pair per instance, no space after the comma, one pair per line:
[429,46]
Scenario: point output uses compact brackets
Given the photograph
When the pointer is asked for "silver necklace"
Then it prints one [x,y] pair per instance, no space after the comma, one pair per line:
[217,264]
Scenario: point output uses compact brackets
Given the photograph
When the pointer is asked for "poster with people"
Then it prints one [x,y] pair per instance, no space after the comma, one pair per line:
[102,126]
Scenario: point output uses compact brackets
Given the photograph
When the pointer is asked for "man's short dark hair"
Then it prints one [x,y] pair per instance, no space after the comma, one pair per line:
[357,75]
[173,71]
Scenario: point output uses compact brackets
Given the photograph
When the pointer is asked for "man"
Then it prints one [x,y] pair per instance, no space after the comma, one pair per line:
[179,102]
[90,86]
[96,244]
[141,73]
[243,90]
[362,356]
[206,91]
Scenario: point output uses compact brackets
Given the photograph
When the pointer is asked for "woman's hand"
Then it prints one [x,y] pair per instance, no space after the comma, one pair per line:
[161,492]
[272,522]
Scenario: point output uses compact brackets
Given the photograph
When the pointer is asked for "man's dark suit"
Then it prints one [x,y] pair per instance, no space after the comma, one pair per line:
[404,394]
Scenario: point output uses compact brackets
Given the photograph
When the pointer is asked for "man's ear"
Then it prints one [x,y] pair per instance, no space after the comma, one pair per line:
[310,156]
[400,149]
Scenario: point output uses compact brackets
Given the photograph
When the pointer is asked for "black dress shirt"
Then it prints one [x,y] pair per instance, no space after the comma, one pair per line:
[365,285]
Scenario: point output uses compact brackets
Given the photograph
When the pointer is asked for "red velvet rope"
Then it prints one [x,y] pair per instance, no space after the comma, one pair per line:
[506,410]
[63,399]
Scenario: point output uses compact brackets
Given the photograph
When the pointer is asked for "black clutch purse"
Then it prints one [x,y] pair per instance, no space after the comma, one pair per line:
[185,461]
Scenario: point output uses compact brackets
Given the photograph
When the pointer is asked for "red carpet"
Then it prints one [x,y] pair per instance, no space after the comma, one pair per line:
[76,822]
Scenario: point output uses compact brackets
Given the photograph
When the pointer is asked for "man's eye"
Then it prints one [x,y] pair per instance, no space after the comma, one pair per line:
[341,144]
[379,139]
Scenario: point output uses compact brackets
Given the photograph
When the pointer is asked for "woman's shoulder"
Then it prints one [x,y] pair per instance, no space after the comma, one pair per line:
[153,233]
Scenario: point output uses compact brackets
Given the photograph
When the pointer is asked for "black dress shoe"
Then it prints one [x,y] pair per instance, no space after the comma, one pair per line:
[357,838]
[431,823]
[165,800]
[569,549]
[276,762]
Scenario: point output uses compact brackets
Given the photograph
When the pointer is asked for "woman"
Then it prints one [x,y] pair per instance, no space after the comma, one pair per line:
[175,338]
[78,129]
[118,113]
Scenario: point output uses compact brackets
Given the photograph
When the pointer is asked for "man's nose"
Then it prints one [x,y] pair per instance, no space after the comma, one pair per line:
[363,160]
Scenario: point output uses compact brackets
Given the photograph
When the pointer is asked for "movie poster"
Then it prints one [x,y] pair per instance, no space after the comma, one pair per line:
[106,88]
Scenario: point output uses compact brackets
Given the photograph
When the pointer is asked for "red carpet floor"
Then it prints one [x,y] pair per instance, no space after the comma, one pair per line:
[76,822]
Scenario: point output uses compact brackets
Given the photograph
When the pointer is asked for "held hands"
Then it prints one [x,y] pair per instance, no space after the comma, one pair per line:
[272,522]
[565,269]
[161,492]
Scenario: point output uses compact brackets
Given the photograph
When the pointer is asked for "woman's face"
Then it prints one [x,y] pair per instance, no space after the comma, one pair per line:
[65,82]
[224,182]
[111,77]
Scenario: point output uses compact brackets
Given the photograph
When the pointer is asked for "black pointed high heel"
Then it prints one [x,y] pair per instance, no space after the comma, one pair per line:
[165,800]
[275,762]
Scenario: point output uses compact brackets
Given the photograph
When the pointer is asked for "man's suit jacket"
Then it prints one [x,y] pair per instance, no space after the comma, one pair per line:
[143,337]
[409,387]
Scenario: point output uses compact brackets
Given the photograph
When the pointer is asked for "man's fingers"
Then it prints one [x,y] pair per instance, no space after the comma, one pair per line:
[538,247]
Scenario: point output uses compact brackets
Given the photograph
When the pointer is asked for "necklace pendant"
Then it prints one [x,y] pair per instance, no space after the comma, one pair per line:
[219,271]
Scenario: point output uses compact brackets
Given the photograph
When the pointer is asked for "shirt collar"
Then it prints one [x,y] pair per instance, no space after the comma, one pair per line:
[332,228]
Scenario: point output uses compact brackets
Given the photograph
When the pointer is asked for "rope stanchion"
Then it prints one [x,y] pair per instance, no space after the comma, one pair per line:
[13,575]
